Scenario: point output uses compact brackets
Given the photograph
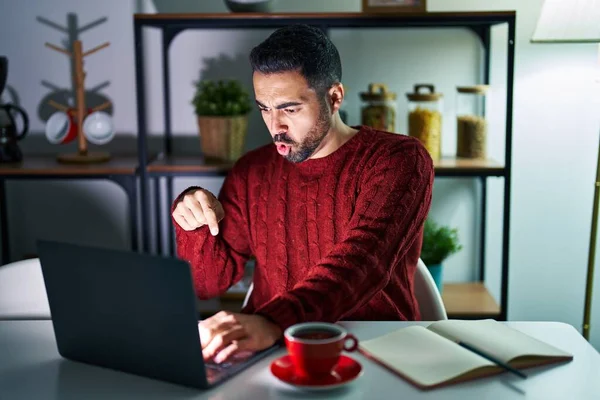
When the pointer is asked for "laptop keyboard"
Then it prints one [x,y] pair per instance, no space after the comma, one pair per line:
[215,372]
[218,367]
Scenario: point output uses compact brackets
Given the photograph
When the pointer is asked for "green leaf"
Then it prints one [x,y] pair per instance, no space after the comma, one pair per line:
[221,98]
[439,242]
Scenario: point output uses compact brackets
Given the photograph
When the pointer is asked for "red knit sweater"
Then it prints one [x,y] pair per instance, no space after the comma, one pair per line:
[335,238]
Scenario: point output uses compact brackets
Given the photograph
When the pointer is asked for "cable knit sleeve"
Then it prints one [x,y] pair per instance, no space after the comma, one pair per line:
[217,262]
[392,204]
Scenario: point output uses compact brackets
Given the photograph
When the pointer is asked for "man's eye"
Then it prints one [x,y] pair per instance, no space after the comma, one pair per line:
[263,109]
[290,110]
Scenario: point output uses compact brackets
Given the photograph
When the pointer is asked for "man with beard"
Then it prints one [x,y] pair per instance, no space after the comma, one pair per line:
[332,214]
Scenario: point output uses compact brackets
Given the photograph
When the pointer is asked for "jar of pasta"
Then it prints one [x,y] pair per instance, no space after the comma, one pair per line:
[379,110]
[471,125]
[425,118]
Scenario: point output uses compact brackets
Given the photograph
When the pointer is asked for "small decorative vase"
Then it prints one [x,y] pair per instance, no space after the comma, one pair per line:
[436,272]
[223,138]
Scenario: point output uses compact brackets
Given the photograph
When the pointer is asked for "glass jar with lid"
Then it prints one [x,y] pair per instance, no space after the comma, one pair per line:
[425,118]
[471,124]
[379,110]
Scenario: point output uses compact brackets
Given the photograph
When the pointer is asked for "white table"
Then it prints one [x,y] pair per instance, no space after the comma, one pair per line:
[31,368]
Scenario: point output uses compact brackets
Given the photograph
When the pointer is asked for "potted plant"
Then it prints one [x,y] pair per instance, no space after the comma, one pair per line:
[439,243]
[222,109]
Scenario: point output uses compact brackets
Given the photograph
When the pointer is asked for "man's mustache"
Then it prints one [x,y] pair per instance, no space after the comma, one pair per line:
[283,138]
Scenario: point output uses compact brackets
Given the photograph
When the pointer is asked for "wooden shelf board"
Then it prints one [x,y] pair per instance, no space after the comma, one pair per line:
[195,164]
[233,296]
[454,164]
[336,15]
[470,298]
[461,299]
[48,165]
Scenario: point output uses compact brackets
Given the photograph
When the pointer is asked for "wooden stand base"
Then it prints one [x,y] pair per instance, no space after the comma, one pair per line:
[89,158]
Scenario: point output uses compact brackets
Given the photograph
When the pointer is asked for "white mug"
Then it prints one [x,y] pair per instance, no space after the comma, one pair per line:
[98,127]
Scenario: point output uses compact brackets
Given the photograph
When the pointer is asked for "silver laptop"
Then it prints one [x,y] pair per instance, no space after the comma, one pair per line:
[130,312]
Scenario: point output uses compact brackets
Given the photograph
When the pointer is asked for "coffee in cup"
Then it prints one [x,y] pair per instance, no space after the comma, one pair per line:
[315,347]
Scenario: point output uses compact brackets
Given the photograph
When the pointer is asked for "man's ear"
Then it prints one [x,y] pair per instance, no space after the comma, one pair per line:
[336,97]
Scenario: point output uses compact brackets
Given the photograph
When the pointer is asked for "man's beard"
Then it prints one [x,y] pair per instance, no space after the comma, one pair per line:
[314,138]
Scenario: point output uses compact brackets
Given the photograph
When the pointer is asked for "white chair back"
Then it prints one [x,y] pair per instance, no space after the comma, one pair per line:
[428,296]
[22,291]
[248,293]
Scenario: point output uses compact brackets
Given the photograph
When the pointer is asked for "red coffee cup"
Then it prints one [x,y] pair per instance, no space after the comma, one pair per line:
[61,127]
[315,347]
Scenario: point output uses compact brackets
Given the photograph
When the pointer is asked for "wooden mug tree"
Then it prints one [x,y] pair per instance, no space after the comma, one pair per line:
[82,155]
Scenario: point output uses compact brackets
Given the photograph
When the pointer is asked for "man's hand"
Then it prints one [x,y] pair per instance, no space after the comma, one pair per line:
[225,334]
[199,208]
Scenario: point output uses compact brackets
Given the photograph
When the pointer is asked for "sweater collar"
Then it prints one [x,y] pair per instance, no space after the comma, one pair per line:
[315,167]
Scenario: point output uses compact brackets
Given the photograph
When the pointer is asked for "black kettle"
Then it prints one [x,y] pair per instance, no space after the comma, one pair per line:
[9,136]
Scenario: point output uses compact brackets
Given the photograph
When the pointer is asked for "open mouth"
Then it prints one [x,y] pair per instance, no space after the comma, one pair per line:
[283,149]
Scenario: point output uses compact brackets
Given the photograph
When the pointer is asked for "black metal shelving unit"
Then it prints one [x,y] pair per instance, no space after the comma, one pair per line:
[170,166]
[121,170]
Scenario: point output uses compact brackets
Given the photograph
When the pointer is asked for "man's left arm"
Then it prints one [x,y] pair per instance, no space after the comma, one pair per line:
[392,205]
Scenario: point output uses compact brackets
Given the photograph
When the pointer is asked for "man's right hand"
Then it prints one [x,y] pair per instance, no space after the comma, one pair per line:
[198,208]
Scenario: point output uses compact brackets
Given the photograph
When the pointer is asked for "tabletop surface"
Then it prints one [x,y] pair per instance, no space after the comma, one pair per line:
[31,368]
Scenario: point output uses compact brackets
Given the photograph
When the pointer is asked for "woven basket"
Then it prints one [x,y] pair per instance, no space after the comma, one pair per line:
[223,138]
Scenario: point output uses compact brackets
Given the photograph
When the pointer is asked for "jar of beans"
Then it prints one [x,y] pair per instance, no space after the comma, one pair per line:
[471,124]
[425,118]
[379,109]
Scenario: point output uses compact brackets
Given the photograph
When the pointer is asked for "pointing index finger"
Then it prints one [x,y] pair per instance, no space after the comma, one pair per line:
[208,206]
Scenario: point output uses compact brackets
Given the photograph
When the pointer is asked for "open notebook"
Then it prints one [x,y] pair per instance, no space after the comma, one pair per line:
[429,357]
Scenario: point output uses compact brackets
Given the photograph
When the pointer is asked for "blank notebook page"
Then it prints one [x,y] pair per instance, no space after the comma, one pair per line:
[495,338]
[423,356]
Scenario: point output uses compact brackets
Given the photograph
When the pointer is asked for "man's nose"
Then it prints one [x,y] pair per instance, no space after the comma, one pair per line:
[277,125]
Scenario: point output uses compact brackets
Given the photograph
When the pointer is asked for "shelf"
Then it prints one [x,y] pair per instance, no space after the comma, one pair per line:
[325,15]
[462,300]
[468,167]
[472,299]
[196,165]
[339,19]
[47,165]
[233,296]
[188,165]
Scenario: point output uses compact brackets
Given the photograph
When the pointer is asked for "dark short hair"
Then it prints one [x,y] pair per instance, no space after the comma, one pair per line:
[300,48]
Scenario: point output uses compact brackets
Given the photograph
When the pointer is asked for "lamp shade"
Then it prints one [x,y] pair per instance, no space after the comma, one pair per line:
[568,21]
